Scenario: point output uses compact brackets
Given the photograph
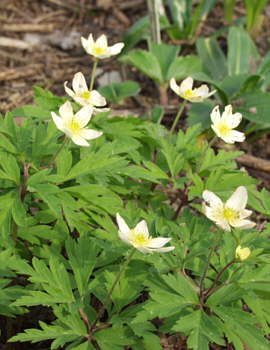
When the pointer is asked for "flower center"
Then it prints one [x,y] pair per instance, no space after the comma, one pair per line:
[85,95]
[189,93]
[230,214]
[99,50]
[138,239]
[224,129]
[74,126]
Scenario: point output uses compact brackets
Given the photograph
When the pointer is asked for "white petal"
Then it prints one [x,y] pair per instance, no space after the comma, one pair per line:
[123,227]
[78,83]
[244,224]
[237,136]
[238,199]
[90,40]
[68,90]
[195,99]
[141,227]
[245,213]
[80,141]
[174,86]
[158,242]
[215,115]
[58,121]
[233,120]
[213,200]
[203,91]
[101,41]
[211,93]
[223,224]
[85,44]
[81,101]
[116,49]
[145,250]
[165,249]
[96,99]
[90,134]
[186,84]
[84,115]
[100,110]
[216,131]
[66,111]
[227,112]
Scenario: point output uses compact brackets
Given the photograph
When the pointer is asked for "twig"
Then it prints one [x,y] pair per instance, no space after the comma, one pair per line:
[28,27]
[254,162]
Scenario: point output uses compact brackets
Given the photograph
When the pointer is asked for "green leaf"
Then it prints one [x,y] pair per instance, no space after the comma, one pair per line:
[183,286]
[183,67]
[11,170]
[242,323]
[116,92]
[213,59]
[256,107]
[166,56]
[48,193]
[113,338]
[82,259]
[7,145]
[32,111]
[146,62]
[64,162]
[239,51]
[199,113]
[18,210]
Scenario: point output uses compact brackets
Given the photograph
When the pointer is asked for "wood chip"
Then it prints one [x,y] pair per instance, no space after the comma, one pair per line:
[254,162]
[21,72]
[15,43]
[28,27]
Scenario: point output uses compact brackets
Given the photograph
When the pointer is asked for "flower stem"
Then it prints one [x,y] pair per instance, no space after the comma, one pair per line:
[178,115]
[117,278]
[66,140]
[218,237]
[209,290]
[93,75]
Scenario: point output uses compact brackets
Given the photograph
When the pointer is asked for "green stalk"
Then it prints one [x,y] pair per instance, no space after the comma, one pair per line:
[154,21]
[65,142]
[216,241]
[93,74]
[178,115]
[117,278]
[210,290]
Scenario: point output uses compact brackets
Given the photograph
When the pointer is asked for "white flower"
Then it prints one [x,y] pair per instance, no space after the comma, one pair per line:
[139,237]
[73,125]
[242,253]
[186,92]
[100,48]
[83,96]
[223,125]
[229,214]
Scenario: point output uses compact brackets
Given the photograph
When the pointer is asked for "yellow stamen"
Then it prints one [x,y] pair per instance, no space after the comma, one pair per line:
[99,50]
[189,93]
[224,129]
[138,239]
[230,214]
[74,126]
[85,95]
